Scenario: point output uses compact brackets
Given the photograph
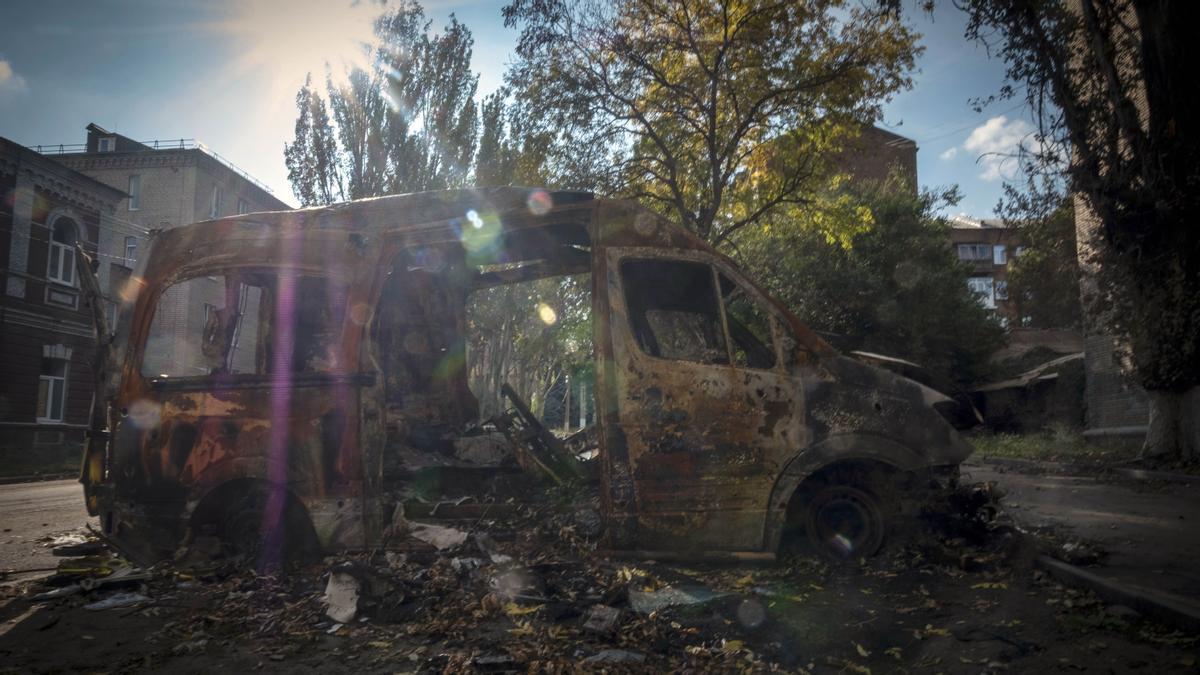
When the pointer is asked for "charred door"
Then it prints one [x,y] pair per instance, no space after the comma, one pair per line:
[707,412]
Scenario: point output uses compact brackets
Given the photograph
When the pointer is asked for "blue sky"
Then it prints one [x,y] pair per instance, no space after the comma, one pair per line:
[225,72]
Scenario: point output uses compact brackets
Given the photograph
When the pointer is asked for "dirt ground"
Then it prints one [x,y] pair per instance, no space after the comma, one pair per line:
[519,595]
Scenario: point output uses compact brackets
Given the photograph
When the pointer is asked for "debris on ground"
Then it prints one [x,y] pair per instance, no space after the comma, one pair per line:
[525,589]
[117,601]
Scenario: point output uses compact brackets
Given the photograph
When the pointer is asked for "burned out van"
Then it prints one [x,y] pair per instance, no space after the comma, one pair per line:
[275,373]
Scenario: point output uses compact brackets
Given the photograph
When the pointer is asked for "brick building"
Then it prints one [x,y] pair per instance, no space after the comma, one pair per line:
[169,183]
[47,341]
[875,153]
[988,245]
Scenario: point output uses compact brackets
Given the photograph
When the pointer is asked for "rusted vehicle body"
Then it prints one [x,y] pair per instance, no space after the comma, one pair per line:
[331,337]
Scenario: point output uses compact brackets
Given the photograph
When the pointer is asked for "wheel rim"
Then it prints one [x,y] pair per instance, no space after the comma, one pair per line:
[848,523]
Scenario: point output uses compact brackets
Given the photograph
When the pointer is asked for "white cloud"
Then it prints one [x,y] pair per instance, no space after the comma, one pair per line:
[997,142]
[949,154]
[11,83]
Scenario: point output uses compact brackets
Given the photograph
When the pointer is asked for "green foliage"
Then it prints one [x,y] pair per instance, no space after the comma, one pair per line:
[409,123]
[311,158]
[1111,86]
[877,274]
[715,113]
[1044,279]
[528,334]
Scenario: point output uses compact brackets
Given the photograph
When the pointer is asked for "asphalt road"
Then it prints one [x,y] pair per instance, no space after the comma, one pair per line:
[30,514]
[1150,532]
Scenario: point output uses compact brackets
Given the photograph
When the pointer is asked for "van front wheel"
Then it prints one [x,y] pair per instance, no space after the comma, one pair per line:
[844,522]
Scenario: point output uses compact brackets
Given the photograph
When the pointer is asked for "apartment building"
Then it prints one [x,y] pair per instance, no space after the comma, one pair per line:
[47,341]
[988,245]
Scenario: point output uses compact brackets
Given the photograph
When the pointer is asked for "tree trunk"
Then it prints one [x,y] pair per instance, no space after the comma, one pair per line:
[1174,426]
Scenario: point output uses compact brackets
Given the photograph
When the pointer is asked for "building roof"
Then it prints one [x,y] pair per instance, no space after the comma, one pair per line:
[127,147]
[965,222]
[25,155]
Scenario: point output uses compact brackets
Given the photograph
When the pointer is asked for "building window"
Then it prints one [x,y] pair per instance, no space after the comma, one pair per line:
[243,207]
[107,144]
[61,266]
[135,192]
[984,288]
[52,390]
[214,208]
[1000,254]
[974,252]
[1018,251]
[1001,289]
[130,251]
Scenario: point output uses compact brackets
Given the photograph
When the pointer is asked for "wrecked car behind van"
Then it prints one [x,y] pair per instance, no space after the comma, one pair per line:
[276,374]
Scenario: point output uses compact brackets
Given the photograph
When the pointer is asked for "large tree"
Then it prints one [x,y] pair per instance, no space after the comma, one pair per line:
[1112,86]
[1044,279]
[312,156]
[714,112]
[409,122]
[869,267]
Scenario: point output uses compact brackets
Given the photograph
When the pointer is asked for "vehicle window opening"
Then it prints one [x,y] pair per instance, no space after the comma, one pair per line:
[419,328]
[749,327]
[227,324]
[673,310]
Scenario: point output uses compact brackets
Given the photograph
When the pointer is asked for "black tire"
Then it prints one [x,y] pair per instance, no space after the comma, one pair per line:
[844,521]
[241,527]
[245,534]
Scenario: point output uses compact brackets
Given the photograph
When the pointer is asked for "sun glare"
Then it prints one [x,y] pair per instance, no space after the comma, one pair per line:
[286,39]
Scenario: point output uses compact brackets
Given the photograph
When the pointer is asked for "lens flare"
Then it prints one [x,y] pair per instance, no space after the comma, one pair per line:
[480,234]
[145,414]
[539,203]
[547,314]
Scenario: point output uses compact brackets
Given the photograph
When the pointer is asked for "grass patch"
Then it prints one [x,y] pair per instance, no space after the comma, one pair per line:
[1054,446]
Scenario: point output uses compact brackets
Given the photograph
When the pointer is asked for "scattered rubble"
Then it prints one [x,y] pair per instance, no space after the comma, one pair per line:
[526,590]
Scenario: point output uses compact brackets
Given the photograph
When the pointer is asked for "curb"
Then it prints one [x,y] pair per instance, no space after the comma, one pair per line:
[38,478]
[1036,464]
[1090,469]
[1164,476]
[1166,608]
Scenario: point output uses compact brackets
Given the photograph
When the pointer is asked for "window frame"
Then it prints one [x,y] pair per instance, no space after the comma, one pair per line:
[49,380]
[752,294]
[979,251]
[716,268]
[986,298]
[131,244]
[200,381]
[135,192]
[999,254]
[214,205]
[59,252]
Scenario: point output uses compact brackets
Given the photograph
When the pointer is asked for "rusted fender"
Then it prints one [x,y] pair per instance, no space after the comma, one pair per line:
[840,448]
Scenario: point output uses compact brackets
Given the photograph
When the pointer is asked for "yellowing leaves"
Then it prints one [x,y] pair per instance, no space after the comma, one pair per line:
[513,609]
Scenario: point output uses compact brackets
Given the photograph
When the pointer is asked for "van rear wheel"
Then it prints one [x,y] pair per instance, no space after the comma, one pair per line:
[844,521]
[246,531]
[242,526]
